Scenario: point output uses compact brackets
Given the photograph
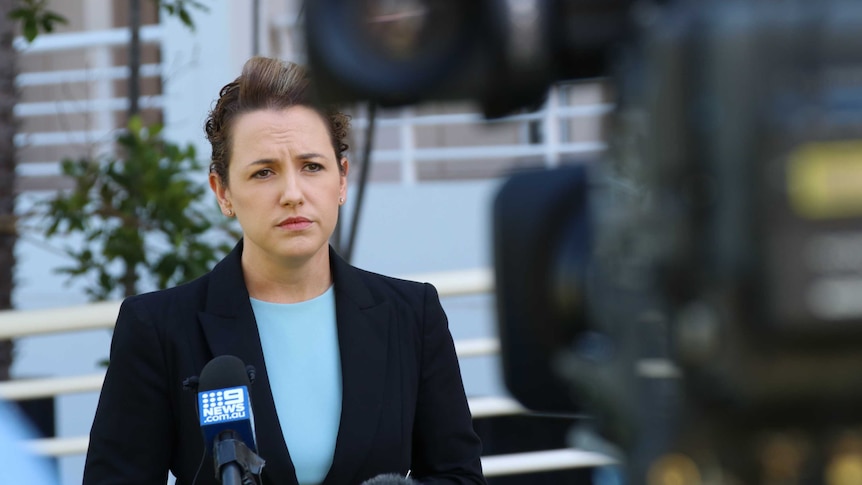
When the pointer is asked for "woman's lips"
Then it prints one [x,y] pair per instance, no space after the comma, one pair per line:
[295,223]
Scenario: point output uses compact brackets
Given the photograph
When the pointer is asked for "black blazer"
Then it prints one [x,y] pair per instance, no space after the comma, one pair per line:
[403,405]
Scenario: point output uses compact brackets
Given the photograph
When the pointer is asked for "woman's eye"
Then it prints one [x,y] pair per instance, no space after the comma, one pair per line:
[262,173]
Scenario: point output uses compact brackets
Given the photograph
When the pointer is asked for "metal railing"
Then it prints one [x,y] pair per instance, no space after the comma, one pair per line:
[16,324]
[552,144]
[551,147]
[80,103]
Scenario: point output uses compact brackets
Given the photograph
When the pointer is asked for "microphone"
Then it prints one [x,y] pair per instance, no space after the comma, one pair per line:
[389,479]
[226,419]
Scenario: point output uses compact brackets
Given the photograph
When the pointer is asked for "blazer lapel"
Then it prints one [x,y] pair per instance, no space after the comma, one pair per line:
[363,337]
[229,328]
[363,334]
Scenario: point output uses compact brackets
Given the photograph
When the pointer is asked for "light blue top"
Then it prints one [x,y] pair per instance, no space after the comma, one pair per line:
[300,348]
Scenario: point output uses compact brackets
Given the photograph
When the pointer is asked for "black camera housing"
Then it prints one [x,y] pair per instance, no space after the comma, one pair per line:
[712,311]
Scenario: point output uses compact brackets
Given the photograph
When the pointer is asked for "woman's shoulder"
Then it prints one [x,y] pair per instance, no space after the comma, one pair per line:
[190,295]
[392,283]
[404,293]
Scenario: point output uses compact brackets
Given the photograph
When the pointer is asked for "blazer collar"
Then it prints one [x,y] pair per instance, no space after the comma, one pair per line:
[363,321]
[364,335]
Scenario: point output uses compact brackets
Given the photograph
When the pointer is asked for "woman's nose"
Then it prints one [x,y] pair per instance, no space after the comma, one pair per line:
[291,193]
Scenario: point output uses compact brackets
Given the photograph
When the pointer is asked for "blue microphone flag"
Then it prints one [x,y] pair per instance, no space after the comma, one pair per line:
[223,405]
[224,402]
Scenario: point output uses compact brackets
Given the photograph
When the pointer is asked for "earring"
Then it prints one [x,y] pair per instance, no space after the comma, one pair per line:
[229,213]
[341,200]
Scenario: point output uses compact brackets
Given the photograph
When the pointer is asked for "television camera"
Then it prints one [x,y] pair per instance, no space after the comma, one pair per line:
[698,291]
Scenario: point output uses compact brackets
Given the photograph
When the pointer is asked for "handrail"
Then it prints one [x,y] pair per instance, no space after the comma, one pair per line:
[21,389]
[492,465]
[480,407]
[102,315]
[84,39]
[42,78]
[60,107]
[458,282]
[61,138]
[493,406]
[488,152]
[21,323]
[542,461]
[59,446]
[477,347]
[554,144]
[575,111]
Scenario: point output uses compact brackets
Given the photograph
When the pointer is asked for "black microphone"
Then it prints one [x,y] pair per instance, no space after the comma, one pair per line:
[389,479]
[226,419]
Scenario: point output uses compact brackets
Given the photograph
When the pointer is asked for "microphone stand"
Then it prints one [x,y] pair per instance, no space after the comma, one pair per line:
[234,461]
[231,474]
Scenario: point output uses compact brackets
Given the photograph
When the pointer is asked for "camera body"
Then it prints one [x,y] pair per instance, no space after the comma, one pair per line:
[713,316]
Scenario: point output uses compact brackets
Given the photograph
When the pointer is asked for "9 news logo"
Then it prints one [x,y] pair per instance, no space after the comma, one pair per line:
[223,405]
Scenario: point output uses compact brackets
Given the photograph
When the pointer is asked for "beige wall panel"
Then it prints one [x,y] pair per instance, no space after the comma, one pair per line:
[461,135]
[42,61]
[54,153]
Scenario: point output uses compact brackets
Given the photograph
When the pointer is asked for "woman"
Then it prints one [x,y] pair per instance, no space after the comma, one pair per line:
[356,372]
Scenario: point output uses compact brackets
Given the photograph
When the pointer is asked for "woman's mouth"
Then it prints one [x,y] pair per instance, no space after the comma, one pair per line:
[294,223]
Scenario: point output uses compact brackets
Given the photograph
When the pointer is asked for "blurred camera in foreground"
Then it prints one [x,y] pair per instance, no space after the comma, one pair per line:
[698,291]
[20,464]
[701,298]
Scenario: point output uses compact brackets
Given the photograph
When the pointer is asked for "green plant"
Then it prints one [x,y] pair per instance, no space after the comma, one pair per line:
[35,16]
[138,215]
[181,8]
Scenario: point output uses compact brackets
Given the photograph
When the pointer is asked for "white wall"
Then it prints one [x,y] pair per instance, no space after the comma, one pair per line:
[198,63]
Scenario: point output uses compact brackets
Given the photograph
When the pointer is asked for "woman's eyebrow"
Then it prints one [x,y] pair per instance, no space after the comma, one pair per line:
[308,156]
[303,156]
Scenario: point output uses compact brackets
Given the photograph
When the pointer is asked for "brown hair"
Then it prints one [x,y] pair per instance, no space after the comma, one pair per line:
[267,83]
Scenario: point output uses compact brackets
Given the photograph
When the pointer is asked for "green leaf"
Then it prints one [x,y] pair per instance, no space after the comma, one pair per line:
[20,14]
[47,25]
[135,126]
[30,30]
[54,17]
[182,9]
[33,16]
[186,18]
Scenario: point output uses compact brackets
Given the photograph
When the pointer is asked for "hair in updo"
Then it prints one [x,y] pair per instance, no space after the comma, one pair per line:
[267,83]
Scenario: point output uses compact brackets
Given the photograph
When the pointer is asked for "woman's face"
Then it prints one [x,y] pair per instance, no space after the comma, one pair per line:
[284,185]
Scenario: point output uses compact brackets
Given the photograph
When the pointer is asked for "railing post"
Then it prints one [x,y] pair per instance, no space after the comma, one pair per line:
[99,16]
[408,148]
[551,129]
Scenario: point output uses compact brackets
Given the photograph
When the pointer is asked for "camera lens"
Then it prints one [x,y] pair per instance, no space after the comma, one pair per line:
[392,51]
[401,30]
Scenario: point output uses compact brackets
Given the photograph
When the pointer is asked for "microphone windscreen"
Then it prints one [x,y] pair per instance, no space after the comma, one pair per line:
[389,479]
[224,401]
[223,371]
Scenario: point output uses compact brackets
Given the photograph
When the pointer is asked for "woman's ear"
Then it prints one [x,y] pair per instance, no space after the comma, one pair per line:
[221,192]
[345,170]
